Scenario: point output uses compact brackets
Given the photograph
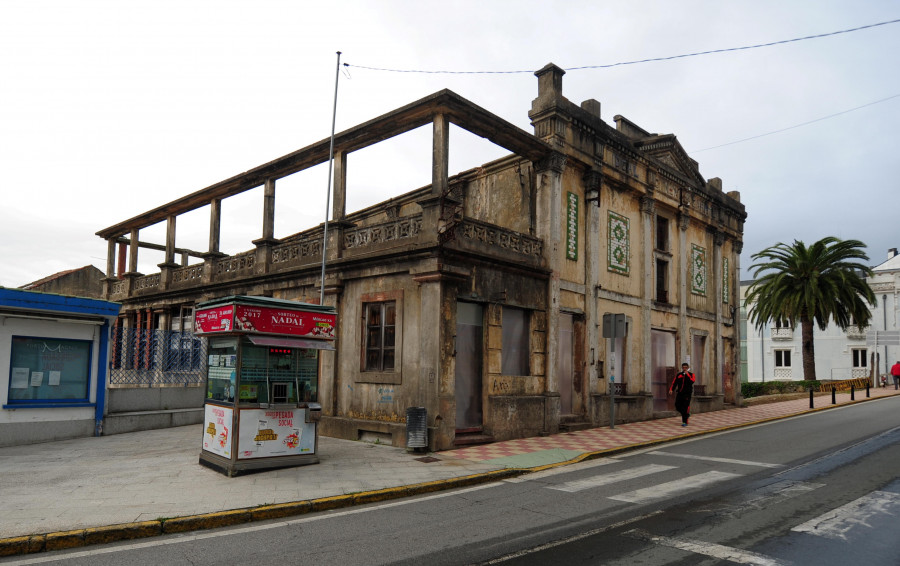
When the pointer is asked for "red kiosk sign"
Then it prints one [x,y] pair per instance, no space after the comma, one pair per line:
[265,320]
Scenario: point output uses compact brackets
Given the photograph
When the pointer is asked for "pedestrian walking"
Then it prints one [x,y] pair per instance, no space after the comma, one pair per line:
[895,372]
[683,387]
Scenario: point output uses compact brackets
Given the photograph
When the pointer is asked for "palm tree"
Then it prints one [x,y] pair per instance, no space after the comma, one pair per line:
[814,284]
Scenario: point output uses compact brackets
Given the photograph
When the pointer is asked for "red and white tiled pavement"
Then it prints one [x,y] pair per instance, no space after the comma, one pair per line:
[639,433]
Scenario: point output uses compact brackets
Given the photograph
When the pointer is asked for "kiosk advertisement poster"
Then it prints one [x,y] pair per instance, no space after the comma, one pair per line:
[265,320]
[276,433]
[217,435]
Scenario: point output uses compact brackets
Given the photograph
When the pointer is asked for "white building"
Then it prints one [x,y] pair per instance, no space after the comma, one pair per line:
[775,354]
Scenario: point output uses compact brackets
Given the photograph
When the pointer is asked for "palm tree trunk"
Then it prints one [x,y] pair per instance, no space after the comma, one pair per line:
[809,350]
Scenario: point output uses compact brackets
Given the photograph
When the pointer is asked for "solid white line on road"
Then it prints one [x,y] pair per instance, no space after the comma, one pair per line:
[710,549]
[224,532]
[672,488]
[720,460]
[613,477]
[573,538]
[861,512]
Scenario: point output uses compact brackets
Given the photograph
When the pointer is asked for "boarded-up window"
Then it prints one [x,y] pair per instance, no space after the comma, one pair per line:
[516,351]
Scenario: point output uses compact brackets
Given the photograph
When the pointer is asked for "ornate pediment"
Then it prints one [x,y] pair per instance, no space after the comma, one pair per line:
[667,150]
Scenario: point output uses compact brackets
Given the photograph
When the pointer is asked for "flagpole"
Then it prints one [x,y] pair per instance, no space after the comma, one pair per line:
[337,74]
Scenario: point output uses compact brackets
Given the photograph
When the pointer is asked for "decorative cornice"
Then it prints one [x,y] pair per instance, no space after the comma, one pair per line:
[555,162]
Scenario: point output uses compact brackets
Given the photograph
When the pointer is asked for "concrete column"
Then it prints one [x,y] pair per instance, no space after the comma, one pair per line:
[718,240]
[170,239]
[110,258]
[215,223]
[648,209]
[592,261]
[440,156]
[268,232]
[430,363]
[684,279]
[550,230]
[133,252]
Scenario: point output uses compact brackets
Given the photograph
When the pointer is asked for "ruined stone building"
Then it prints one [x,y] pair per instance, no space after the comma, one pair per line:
[481,296]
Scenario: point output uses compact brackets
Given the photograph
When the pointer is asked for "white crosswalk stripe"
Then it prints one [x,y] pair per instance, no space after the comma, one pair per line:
[610,478]
[673,488]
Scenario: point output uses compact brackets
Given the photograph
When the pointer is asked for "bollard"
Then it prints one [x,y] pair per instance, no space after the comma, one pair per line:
[867,391]
[833,400]
[810,398]
[852,392]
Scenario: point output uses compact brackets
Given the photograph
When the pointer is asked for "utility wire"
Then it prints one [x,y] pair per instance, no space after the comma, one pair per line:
[796,125]
[668,58]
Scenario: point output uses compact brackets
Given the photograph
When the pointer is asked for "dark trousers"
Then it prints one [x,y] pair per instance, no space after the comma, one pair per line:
[683,406]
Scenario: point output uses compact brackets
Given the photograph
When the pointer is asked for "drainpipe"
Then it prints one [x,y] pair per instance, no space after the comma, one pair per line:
[762,354]
[102,365]
[884,313]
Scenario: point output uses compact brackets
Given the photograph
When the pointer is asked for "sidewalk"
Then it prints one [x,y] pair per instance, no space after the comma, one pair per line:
[86,491]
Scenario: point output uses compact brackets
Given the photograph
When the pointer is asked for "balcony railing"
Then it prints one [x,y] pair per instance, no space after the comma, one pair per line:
[782,333]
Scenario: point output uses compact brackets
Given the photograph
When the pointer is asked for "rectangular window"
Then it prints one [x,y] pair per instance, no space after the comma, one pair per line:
[662,281]
[860,357]
[49,369]
[662,234]
[782,358]
[381,321]
[516,350]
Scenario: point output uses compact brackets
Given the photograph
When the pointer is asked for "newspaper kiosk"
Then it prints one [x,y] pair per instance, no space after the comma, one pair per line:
[261,408]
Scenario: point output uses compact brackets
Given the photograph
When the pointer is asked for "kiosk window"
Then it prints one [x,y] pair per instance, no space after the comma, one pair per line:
[222,376]
[49,369]
[271,374]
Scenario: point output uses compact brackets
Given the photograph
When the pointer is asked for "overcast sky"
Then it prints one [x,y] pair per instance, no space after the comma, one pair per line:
[111,108]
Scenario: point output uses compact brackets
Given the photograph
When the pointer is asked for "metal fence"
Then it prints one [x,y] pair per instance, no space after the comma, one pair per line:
[154,358]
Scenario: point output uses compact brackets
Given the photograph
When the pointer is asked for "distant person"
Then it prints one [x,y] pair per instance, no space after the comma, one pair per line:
[895,372]
[683,387]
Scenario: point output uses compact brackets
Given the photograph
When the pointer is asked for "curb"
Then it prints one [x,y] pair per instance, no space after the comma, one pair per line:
[62,540]
[78,538]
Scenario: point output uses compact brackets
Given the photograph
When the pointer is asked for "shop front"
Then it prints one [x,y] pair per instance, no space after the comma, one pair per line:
[261,408]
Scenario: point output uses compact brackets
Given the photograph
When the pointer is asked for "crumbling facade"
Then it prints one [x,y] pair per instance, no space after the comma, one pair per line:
[481,296]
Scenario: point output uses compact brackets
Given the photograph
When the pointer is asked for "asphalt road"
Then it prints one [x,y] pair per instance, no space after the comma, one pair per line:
[818,489]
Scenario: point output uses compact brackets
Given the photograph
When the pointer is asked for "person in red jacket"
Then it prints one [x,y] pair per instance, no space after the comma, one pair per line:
[895,372]
[683,386]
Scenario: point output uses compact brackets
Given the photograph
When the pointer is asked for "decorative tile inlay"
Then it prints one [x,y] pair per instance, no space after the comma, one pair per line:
[698,270]
[572,226]
[725,280]
[618,248]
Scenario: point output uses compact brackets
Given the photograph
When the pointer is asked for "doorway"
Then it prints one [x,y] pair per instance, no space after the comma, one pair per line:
[570,364]
[469,361]
[698,355]
[662,361]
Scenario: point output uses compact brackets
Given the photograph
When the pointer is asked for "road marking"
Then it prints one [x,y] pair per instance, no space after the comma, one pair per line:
[224,532]
[590,464]
[672,488]
[861,512]
[613,477]
[572,538]
[710,549]
[720,460]
[761,498]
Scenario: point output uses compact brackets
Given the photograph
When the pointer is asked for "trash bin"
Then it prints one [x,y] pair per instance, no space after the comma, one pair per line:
[416,427]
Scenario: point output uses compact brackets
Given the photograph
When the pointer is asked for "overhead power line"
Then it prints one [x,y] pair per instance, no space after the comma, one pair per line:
[607,66]
[796,125]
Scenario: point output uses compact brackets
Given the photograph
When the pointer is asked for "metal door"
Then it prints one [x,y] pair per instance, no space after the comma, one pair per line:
[565,364]
[469,361]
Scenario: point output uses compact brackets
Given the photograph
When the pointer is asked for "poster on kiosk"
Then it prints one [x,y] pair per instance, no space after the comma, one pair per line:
[263,360]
